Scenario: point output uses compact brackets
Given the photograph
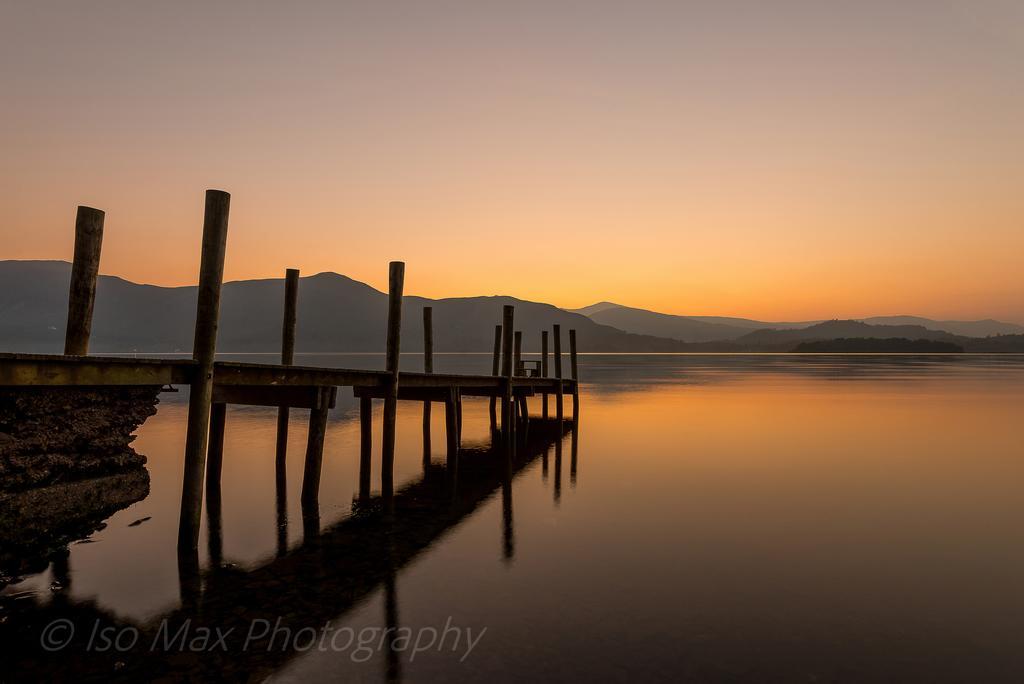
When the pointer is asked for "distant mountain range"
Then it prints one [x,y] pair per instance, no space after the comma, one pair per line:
[338,314]
[716,328]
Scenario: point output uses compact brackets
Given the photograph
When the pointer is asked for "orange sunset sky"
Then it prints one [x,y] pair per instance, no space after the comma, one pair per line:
[778,160]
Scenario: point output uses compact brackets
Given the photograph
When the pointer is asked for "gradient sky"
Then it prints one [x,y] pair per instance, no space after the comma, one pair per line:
[778,160]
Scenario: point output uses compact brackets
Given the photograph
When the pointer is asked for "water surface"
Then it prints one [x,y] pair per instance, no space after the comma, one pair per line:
[712,518]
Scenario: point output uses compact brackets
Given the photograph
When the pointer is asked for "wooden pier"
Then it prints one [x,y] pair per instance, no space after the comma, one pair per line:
[213,384]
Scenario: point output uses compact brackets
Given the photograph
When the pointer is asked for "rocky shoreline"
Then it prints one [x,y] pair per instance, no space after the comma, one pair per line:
[63,434]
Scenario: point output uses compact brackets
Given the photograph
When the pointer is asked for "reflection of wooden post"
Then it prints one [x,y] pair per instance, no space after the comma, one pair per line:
[574,369]
[291,298]
[573,458]
[84,269]
[215,451]
[558,466]
[451,423]
[495,365]
[281,490]
[211,275]
[544,369]
[557,334]
[507,335]
[365,445]
[508,532]
[428,367]
[396,282]
[315,447]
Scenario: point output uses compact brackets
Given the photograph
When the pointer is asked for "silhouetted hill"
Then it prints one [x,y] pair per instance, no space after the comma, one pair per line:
[336,314]
[982,328]
[875,345]
[707,328]
[832,330]
[685,328]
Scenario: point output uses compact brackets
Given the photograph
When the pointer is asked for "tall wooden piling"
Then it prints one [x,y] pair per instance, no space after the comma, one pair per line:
[291,315]
[574,369]
[557,337]
[211,275]
[84,270]
[507,336]
[495,367]
[396,283]
[517,353]
[544,369]
[315,447]
[517,365]
[428,367]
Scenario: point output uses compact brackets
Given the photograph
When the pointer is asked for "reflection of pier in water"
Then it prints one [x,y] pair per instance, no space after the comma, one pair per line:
[319,580]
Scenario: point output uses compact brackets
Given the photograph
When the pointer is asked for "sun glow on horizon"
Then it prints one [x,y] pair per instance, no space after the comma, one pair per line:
[800,162]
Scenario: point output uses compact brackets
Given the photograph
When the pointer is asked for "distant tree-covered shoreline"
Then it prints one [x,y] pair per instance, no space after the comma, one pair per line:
[875,345]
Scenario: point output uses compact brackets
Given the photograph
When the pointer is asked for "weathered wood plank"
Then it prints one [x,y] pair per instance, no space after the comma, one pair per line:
[286,396]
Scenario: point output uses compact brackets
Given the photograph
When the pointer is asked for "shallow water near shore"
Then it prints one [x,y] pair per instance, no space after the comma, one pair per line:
[711,518]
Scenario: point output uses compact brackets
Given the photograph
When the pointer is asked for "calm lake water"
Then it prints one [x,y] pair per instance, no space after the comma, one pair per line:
[712,518]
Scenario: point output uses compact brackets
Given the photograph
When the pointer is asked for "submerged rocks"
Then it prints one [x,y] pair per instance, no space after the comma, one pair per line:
[59,434]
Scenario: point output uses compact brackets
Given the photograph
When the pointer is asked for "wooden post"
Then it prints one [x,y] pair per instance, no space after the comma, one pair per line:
[544,369]
[517,353]
[507,335]
[557,335]
[211,275]
[84,269]
[428,367]
[291,313]
[428,339]
[365,445]
[517,365]
[495,365]
[396,282]
[315,448]
[574,369]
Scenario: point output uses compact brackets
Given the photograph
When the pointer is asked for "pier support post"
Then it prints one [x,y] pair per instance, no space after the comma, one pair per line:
[574,369]
[428,367]
[365,445]
[211,275]
[291,301]
[557,338]
[517,353]
[396,283]
[507,336]
[544,369]
[495,367]
[517,366]
[84,269]
[315,448]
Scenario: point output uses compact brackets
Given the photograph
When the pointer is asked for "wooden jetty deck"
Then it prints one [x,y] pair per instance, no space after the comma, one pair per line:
[213,384]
